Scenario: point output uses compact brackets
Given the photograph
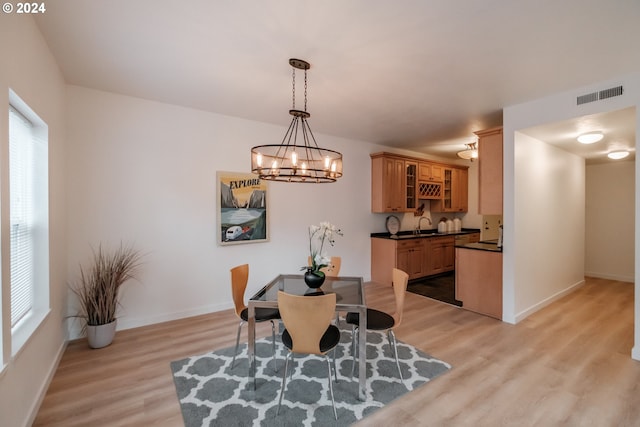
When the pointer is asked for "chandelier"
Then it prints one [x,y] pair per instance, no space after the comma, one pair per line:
[297,158]
[470,153]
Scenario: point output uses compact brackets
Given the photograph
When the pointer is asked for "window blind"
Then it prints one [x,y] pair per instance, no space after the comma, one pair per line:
[21,167]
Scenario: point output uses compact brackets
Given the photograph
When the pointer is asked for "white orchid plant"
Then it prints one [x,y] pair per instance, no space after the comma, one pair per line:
[318,235]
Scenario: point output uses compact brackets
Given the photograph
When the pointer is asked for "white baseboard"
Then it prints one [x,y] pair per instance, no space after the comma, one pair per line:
[635,353]
[129,323]
[529,311]
[608,276]
[45,385]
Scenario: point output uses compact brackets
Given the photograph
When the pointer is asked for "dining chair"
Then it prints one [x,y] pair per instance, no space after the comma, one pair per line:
[239,279]
[380,321]
[308,330]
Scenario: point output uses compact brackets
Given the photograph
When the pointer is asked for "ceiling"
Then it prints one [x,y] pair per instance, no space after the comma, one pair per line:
[416,74]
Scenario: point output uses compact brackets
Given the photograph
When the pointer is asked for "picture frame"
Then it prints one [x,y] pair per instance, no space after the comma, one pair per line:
[242,215]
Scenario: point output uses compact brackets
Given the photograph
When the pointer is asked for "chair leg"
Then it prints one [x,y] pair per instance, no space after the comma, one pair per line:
[235,352]
[392,339]
[335,414]
[273,340]
[354,348]
[284,381]
[335,370]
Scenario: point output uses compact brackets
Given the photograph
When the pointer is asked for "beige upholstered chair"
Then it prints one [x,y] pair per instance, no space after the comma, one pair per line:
[308,330]
[239,279]
[381,321]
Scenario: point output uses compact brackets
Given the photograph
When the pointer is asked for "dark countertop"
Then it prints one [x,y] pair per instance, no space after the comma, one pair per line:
[489,245]
[424,233]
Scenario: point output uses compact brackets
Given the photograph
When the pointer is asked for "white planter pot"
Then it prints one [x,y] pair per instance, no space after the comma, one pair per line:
[101,335]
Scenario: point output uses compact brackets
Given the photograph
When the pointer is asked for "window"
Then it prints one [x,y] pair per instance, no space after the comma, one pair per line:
[29,218]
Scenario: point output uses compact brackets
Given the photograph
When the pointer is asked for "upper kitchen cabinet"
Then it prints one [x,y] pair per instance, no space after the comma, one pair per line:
[398,183]
[455,195]
[430,172]
[490,171]
[411,185]
[388,183]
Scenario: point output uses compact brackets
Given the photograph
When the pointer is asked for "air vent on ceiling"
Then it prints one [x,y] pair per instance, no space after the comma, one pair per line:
[603,94]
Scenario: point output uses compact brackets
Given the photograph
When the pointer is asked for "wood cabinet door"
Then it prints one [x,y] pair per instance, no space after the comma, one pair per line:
[410,258]
[387,184]
[460,190]
[411,185]
[490,179]
[429,172]
[448,256]
[436,258]
[437,172]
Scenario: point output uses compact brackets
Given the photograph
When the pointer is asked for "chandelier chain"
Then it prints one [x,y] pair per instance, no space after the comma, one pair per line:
[293,90]
[305,89]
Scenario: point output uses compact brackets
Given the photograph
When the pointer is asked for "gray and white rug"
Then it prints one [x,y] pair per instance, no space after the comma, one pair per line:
[213,394]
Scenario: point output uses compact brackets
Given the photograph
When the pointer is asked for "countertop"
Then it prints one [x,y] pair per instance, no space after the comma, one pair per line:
[489,245]
[423,234]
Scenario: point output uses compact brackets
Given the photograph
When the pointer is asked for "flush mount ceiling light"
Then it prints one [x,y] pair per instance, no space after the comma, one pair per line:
[296,160]
[590,138]
[617,155]
[470,153]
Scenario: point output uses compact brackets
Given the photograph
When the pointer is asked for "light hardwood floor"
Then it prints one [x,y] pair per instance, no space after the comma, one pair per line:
[566,365]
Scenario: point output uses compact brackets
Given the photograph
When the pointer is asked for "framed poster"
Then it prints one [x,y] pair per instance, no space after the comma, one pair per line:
[242,212]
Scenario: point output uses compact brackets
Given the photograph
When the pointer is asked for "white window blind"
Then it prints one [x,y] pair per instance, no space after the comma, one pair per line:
[21,170]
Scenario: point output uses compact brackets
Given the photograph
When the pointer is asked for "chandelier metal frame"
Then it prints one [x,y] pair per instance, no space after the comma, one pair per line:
[293,160]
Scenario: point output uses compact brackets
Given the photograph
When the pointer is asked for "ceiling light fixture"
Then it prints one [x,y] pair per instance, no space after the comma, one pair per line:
[293,160]
[470,153]
[617,155]
[590,138]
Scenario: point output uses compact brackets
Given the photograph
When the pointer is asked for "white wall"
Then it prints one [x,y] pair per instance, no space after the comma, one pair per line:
[145,172]
[553,108]
[28,68]
[610,208]
[549,217]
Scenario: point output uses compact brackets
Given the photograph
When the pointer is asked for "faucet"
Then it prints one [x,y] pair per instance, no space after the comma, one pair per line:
[418,227]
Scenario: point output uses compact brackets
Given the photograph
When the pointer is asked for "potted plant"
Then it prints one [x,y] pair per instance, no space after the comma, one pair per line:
[98,291]
[314,276]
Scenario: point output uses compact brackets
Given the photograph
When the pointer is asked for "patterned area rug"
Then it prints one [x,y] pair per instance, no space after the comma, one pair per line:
[213,394]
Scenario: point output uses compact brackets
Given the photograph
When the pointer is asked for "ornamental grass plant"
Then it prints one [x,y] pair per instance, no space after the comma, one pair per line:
[98,287]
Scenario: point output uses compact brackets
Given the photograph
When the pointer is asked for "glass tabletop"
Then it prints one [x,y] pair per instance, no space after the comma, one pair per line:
[348,290]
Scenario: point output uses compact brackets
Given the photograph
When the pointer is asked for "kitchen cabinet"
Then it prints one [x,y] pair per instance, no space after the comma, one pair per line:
[398,183]
[479,281]
[419,257]
[430,172]
[388,184]
[410,257]
[455,197]
[411,183]
[490,171]
[441,254]
[407,255]
[430,181]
